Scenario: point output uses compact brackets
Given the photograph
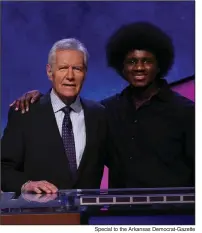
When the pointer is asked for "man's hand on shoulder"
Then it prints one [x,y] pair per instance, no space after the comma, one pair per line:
[22,104]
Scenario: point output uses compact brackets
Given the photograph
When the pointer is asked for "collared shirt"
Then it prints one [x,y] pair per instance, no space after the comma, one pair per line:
[78,122]
[152,146]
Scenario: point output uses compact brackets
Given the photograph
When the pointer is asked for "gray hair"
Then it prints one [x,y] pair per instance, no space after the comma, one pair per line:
[68,44]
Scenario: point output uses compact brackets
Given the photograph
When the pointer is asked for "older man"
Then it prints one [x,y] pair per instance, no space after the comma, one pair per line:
[60,143]
[151,127]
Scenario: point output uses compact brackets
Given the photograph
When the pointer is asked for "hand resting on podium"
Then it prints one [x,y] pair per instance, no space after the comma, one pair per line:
[39,187]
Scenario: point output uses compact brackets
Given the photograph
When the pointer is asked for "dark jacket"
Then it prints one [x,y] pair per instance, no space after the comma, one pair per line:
[32,148]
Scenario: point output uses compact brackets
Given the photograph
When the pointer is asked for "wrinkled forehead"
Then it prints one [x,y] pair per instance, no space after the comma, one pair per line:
[69,57]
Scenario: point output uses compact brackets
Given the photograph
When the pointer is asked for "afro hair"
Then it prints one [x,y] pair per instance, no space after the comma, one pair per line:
[141,36]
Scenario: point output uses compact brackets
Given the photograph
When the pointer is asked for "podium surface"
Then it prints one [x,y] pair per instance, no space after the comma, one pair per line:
[111,206]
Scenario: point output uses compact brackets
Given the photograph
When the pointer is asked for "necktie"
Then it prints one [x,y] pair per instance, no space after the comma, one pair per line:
[68,140]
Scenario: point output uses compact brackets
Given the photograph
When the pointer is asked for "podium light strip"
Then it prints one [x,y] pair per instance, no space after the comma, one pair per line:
[121,200]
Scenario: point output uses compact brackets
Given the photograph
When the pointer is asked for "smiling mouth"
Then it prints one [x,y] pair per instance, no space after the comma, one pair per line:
[140,77]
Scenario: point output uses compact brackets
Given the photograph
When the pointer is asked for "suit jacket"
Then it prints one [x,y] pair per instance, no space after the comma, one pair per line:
[32,148]
[152,146]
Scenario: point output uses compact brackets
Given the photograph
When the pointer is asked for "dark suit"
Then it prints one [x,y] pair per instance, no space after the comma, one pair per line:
[32,148]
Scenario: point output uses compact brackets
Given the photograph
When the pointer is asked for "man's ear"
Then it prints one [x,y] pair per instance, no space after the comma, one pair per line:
[49,72]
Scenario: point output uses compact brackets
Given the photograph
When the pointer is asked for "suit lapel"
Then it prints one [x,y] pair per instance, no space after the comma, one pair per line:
[52,132]
[49,123]
[89,124]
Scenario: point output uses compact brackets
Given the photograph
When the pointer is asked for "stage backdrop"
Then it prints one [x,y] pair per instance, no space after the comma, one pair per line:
[29,29]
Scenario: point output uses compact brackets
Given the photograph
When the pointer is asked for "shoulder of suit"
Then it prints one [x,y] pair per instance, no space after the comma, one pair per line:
[92,104]
[18,114]
[39,104]
[15,115]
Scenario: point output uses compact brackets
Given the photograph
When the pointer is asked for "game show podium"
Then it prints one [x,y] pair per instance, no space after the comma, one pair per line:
[161,206]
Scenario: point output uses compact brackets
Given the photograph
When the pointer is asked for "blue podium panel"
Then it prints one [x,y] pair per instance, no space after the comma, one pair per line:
[112,206]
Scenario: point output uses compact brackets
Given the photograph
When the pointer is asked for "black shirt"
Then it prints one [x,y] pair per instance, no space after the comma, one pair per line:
[154,145]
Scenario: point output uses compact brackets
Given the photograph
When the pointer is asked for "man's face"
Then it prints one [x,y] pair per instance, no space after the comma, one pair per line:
[67,73]
[140,68]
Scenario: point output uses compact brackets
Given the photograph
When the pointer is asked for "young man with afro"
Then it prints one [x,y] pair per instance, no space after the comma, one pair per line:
[151,128]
